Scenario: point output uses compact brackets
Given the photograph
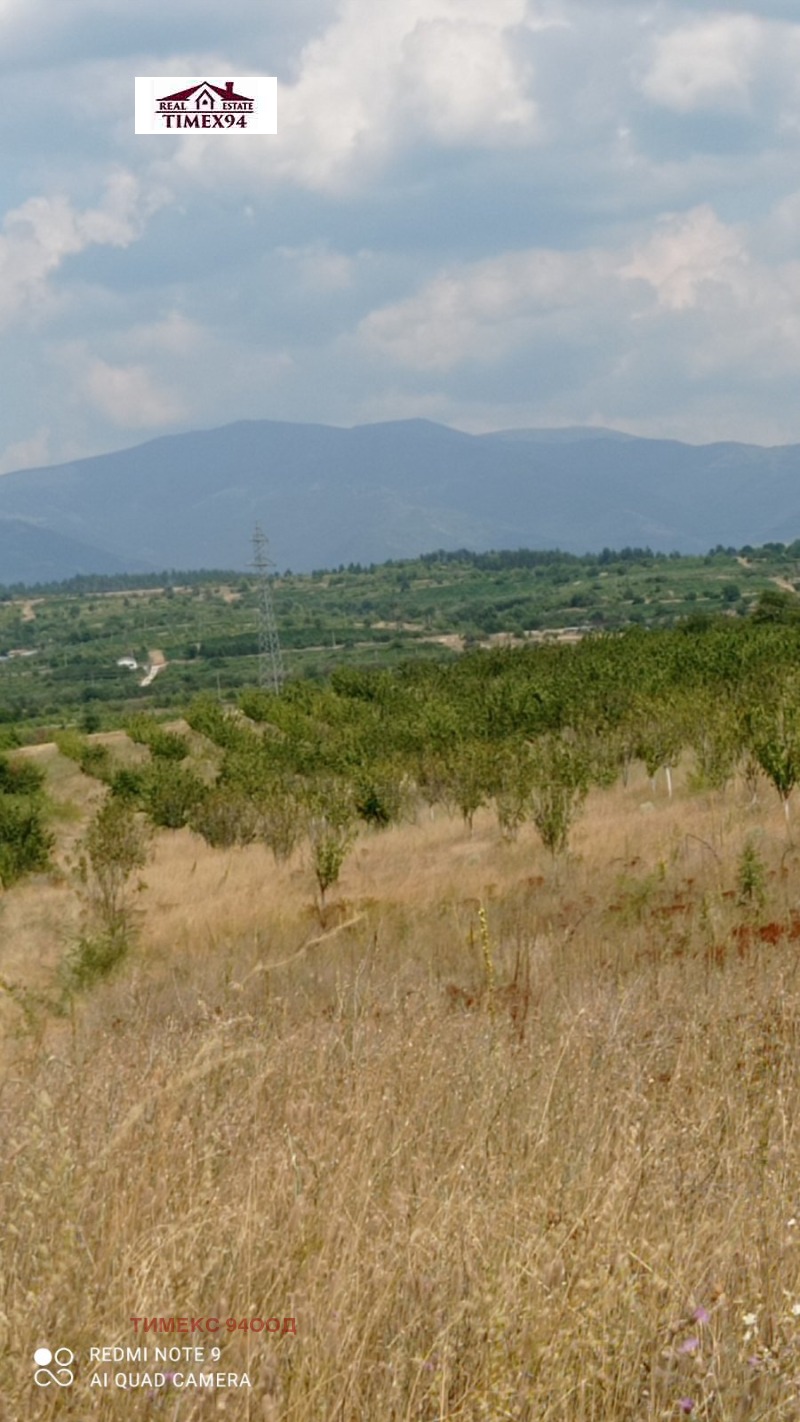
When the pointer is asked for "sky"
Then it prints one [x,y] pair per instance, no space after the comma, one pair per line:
[489,213]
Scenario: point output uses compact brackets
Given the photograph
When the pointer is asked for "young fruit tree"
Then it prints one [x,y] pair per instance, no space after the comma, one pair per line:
[330,827]
[115,845]
[661,737]
[560,774]
[773,737]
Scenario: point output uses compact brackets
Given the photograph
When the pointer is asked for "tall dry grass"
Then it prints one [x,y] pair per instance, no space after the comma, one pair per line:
[558,1200]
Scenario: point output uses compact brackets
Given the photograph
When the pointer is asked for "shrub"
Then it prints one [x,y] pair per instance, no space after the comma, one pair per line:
[330,816]
[512,785]
[128,784]
[169,745]
[208,718]
[170,794]
[93,958]
[329,851]
[141,727]
[560,774]
[91,720]
[224,818]
[280,820]
[115,845]
[95,760]
[773,737]
[70,744]
[20,777]
[380,795]
[24,842]
[752,877]
[165,745]
[252,773]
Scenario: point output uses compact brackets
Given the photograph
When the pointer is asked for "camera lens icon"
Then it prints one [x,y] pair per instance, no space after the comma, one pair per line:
[61,1374]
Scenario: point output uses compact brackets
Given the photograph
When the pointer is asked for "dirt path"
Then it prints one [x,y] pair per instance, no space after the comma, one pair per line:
[157,662]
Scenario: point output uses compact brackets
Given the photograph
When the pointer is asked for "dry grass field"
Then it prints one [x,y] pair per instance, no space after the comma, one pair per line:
[509,1139]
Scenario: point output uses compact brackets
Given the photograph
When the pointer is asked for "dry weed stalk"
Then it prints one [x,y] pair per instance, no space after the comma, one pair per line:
[488,961]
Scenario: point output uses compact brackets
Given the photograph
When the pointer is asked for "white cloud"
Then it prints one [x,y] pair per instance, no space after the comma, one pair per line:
[13,14]
[380,77]
[709,63]
[27,453]
[129,397]
[155,374]
[744,312]
[685,253]
[691,297]
[38,236]
[464,84]
[481,311]
[174,334]
[319,268]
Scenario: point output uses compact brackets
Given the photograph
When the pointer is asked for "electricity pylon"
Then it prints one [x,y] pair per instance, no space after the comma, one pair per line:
[270,661]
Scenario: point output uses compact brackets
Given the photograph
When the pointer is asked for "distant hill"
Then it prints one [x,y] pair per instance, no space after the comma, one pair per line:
[31,553]
[327,496]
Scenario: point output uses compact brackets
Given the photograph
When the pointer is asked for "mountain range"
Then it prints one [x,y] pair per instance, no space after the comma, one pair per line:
[326,495]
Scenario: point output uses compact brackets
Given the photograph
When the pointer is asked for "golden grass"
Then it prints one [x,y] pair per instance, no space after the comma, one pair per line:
[483,1192]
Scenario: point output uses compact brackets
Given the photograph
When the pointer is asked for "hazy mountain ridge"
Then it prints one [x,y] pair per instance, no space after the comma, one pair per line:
[328,495]
[30,553]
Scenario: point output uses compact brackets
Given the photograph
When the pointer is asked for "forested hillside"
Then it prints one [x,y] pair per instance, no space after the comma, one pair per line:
[61,645]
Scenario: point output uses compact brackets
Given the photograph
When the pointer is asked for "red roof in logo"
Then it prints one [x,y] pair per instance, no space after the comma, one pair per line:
[227,93]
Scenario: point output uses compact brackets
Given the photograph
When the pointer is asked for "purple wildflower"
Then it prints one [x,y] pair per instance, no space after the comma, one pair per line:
[691,1345]
[701,1315]
[686,1404]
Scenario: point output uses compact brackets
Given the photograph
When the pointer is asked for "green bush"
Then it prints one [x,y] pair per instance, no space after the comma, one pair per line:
[169,745]
[95,760]
[20,777]
[380,795]
[280,820]
[116,844]
[93,958]
[330,827]
[224,818]
[206,716]
[170,794]
[70,744]
[128,784]
[560,774]
[25,844]
[752,877]
[141,727]
[92,757]
[165,745]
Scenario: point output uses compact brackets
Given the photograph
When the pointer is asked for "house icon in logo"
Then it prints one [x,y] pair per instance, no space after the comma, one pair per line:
[207,97]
